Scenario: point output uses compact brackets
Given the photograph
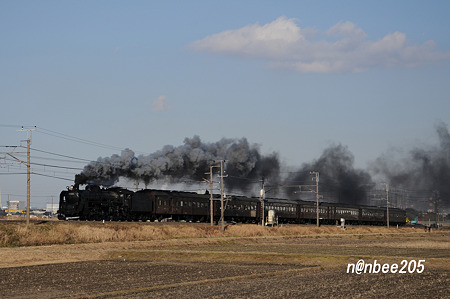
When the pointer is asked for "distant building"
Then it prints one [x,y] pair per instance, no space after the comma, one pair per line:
[52,208]
[13,205]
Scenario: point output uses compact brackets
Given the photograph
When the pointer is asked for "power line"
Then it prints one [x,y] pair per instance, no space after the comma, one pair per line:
[60,155]
[51,176]
[80,140]
[24,195]
[13,126]
[13,173]
[55,166]
[76,139]
[49,165]
[53,159]
[69,137]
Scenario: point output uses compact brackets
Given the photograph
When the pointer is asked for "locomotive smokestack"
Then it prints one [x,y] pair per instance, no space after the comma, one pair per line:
[80,179]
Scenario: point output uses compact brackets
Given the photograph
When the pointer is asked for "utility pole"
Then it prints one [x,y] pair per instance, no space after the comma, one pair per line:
[28,169]
[221,196]
[211,197]
[211,194]
[387,204]
[262,198]
[52,206]
[309,188]
[436,211]
[221,192]
[316,173]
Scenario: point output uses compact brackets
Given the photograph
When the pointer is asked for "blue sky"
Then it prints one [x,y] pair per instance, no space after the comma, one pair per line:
[292,76]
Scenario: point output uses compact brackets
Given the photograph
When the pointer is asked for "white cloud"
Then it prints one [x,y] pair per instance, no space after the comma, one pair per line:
[342,48]
[161,104]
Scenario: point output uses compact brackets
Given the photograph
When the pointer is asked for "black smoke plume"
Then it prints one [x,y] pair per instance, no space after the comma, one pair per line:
[190,161]
[339,181]
[424,171]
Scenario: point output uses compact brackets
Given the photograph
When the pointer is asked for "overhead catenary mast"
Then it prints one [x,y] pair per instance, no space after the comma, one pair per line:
[262,198]
[27,164]
[316,173]
[28,169]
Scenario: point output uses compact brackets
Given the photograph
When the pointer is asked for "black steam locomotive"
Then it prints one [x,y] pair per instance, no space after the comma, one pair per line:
[117,204]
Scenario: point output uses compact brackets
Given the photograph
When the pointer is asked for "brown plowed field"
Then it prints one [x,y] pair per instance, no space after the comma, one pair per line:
[312,266]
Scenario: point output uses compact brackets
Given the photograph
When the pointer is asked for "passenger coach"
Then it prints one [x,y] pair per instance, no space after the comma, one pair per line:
[116,204]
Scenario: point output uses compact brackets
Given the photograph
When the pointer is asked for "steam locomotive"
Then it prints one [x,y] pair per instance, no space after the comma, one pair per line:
[117,204]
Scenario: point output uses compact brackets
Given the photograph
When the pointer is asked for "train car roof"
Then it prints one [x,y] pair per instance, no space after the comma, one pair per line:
[173,193]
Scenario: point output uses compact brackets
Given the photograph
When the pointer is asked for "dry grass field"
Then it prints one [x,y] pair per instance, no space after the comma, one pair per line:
[142,260]
[53,232]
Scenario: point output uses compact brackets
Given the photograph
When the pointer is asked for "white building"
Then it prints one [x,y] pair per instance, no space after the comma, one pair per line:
[52,208]
[13,205]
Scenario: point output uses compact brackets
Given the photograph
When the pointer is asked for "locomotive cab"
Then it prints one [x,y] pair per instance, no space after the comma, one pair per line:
[69,202]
